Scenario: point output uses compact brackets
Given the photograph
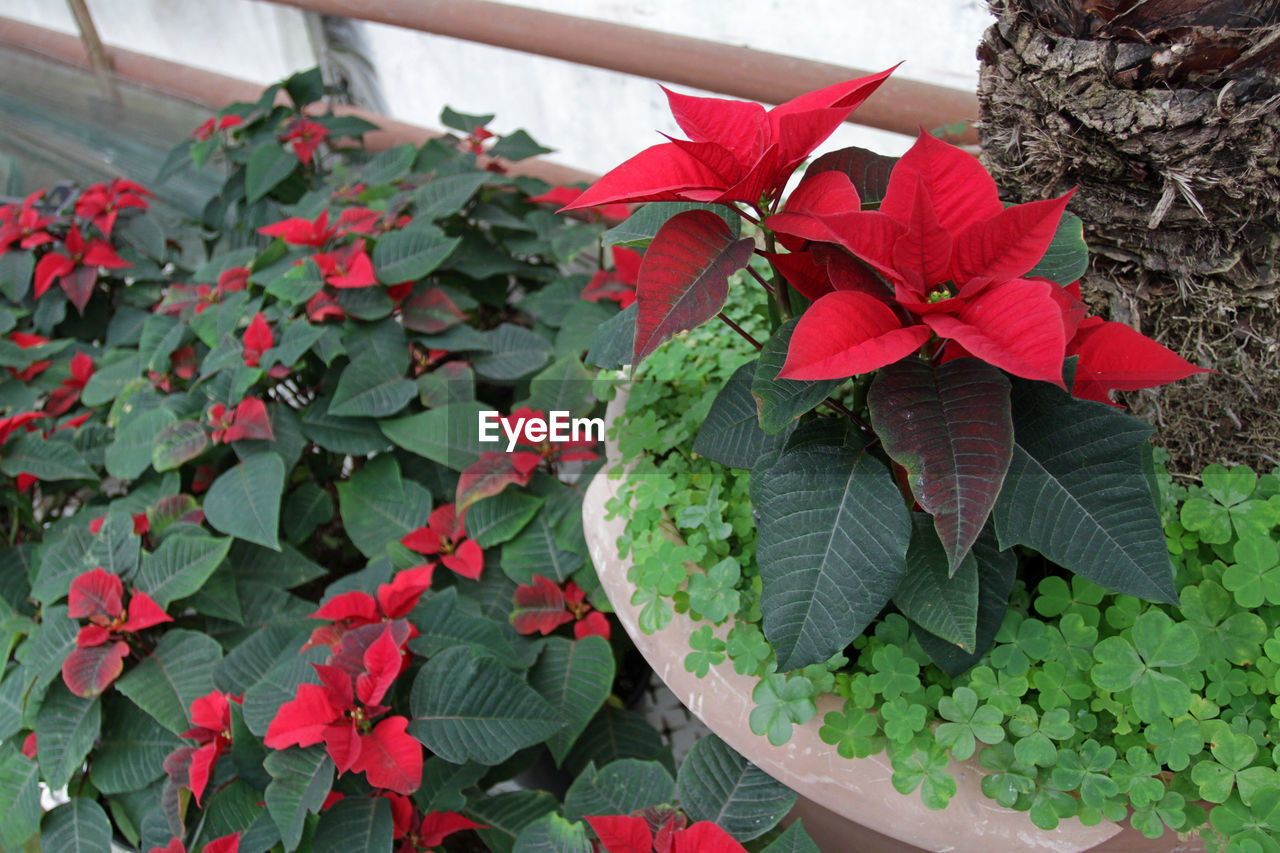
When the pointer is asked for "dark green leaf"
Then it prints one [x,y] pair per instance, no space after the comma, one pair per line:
[131,754]
[641,226]
[378,508]
[19,797]
[176,444]
[300,781]
[356,823]
[553,834]
[449,435]
[614,340]
[268,166]
[495,520]
[517,146]
[943,604]
[516,352]
[717,784]
[80,826]
[781,401]
[575,677]
[388,166]
[369,387]
[245,501]
[178,672]
[180,566]
[411,254]
[1067,257]
[620,787]
[66,728]
[731,434]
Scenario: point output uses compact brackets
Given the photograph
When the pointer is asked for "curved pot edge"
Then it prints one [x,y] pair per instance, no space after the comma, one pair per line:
[859,790]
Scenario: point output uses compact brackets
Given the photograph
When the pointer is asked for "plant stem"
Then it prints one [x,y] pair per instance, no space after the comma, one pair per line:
[781,292]
[768,287]
[740,331]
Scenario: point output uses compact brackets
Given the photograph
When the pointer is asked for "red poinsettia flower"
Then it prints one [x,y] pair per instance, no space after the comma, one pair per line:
[306,136]
[224,844]
[543,606]
[416,833]
[27,340]
[562,195]
[182,365]
[65,395]
[98,659]
[444,535]
[340,711]
[192,766]
[350,192]
[356,608]
[1114,357]
[24,225]
[257,340]
[371,223]
[632,834]
[29,748]
[348,267]
[736,151]
[215,124]
[141,524]
[10,424]
[103,202]
[77,270]
[297,231]
[323,307]
[232,279]
[618,284]
[527,425]
[247,421]
[955,258]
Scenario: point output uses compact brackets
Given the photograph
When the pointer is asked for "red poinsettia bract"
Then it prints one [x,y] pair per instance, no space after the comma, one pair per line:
[444,536]
[419,833]
[24,225]
[357,608]
[562,195]
[542,606]
[736,151]
[102,203]
[257,340]
[98,658]
[77,269]
[632,834]
[619,283]
[297,231]
[223,844]
[67,393]
[340,712]
[346,267]
[215,124]
[306,136]
[247,421]
[531,430]
[192,766]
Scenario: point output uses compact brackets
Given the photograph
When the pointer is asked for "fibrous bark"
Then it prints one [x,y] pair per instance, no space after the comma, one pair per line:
[1174,142]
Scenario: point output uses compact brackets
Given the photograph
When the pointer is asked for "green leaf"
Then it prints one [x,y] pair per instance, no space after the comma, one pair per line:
[832,548]
[46,459]
[356,823]
[268,166]
[614,340]
[505,815]
[411,254]
[620,787]
[495,520]
[353,436]
[781,401]
[717,784]
[131,453]
[19,797]
[305,87]
[464,122]
[66,728]
[781,702]
[615,734]
[245,501]
[446,195]
[553,834]
[178,672]
[1077,492]
[731,433]
[369,387]
[79,826]
[388,166]
[641,227]
[1067,257]
[537,550]
[470,708]
[378,508]
[794,840]
[180,566]
[449,435]
[565,386]
[130,755]
[950,427]
[177,444]
[238,807]
[300,781]
[517,146]
[516,352]
[575,677]
[945,606]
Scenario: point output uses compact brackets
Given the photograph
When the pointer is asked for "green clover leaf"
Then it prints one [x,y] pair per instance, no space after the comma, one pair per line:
[713,594]
[1261,820]
[1232,753]
[1002,690]
[1137,777]
[855,733]
[925,769]
[1036,734]
[1254,577]
[1223,631]
[894,672]
[706,515]
[1086,770]
[1157,642]
[748,649]
[708,651]
[902,720]
[781,702]
[1008,778]
[1054,597]
[1170,811]
[1175,742]
[968,723]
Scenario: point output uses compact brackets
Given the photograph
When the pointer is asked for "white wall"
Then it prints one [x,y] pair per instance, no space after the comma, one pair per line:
[593,118]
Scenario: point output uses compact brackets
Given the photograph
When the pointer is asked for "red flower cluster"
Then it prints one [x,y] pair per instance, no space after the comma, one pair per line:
[215,124]
[356,609]
[633,834]
[24,225]
[247,421]
[341,710]
[562,196]
[68,392]
[101,646]
[192,766]
[426,832]
[525,423]
[225,844]
[306,136]
[543,606]
[102,203]
[445,535]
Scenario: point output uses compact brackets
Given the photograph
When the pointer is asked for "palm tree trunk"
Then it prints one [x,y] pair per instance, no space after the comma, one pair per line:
[1166,115]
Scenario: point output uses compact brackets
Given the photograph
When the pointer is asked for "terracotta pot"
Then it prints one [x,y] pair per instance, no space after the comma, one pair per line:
[850,803]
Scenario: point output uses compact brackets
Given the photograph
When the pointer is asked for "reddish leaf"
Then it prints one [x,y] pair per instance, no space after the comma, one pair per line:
[250,421]
[424,540]
[488,476]
[923,254]
[961,190]
[951,429]
[348,657]
[88,671]
[257,339]
[201,769]
[684,277]
[1115,357]
[96,593]
[660,173]
[400,596]
[174,846]
[1008,244]
[382,665]
[93,635]
[431,312]
[1016,326]
[847,333]
[343,743]
[705,837]
[539,607]
[594,623]
[212,712]
[467,560]
[78,285]
[355,605]
[301,232]
[622,833]
[302,721]
[869,172]
[437,826]
[391,758]
[224,844]
[144,613]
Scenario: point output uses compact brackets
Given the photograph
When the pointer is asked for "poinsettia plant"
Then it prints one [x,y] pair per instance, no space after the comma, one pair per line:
[264,587]
[933,392]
